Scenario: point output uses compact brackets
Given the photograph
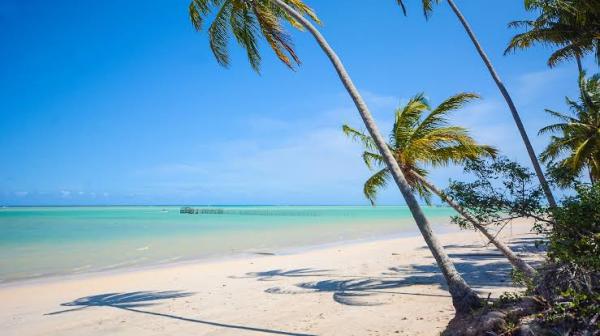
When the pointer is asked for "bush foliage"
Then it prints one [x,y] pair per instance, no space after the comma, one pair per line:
[575,235]
[569,280]
[502,191]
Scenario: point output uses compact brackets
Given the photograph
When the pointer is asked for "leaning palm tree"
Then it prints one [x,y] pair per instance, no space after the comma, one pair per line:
[421,137]
[571,26]
[427,9]
[577,147]
[245,19]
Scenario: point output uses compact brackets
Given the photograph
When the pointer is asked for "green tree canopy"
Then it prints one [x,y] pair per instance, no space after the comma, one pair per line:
[421,137]
[570,26]
[248,21]
[577,145]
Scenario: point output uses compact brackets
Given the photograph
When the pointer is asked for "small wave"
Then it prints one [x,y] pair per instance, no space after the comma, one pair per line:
[79,269]
[122,264]
[169,260]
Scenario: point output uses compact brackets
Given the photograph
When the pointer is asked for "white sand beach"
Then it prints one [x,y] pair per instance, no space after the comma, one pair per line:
[386,287]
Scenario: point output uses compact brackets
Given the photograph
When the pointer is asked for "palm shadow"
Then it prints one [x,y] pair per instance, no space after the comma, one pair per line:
[132,301]
[356,292]
[370,291]
[483,270]
[293,273]
[121,300]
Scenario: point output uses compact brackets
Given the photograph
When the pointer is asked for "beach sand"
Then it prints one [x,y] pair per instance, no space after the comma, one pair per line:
[385,287]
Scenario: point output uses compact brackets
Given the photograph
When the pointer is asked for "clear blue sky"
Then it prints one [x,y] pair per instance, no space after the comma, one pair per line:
[121,102]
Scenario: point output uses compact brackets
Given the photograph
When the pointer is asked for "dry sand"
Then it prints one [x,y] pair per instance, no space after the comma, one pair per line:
[386,287]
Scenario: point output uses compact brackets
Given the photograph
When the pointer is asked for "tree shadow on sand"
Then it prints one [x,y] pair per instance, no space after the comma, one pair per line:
[354,292]
[134,300]
[483,270]
[293,273]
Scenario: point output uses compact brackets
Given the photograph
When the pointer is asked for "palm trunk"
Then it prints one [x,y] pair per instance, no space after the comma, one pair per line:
[511,105]
[517,262]
[579,65]
[464,298]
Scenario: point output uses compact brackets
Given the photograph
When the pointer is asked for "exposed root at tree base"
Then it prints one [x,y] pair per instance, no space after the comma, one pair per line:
[507,320]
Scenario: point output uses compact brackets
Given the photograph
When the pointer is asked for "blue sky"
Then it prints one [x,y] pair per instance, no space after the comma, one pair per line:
[121,102]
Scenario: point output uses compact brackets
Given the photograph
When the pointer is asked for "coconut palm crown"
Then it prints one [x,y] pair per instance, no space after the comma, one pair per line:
[421,137]
[577,146]
[427,9]
[572,26]
[248,21]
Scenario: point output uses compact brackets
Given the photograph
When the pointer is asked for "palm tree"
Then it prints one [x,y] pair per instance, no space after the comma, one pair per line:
[265,15]
[572,26]
[427,8]
[418,140]
[577,147]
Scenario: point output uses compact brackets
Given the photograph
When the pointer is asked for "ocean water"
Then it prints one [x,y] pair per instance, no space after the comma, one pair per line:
[37,242]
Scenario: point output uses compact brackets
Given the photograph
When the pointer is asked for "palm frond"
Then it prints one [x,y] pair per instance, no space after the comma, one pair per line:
[561,116]
[402,6]
[427,6]
[577,143]
[581,154]
[569,26]
[418,140]
[373,160]
[437,117]
[276,37]
[567,52]
[356,135]
[249,21]
[374,183]
[218,33]
[553,128]
[416,184]
[244,28]
[407,118]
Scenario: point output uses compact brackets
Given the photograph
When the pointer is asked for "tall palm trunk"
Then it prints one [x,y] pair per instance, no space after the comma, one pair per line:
[592,175]
[511,105]
[517,262]
[579,65]
[463,297]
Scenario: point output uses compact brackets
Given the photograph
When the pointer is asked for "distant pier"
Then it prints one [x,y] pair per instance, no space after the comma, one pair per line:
[249,212]
[201,211]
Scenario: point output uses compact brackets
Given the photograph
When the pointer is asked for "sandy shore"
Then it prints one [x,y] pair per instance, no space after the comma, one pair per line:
[386,287]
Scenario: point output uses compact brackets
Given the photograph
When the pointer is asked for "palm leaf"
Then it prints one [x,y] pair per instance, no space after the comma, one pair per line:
[374,183]
[219,34]
[437,117]
[407,118]
[248,21]
[373,160]
[356,135]
[427,6]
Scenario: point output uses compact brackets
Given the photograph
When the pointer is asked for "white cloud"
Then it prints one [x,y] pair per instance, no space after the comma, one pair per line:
[310,160]
[533,86]
[378,101]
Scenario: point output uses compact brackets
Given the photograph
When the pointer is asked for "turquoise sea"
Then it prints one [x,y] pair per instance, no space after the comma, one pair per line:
[38,242]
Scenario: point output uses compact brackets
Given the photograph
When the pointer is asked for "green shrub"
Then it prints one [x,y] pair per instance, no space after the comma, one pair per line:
[572,311]
[570,280]
[501,190]
[575,235]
